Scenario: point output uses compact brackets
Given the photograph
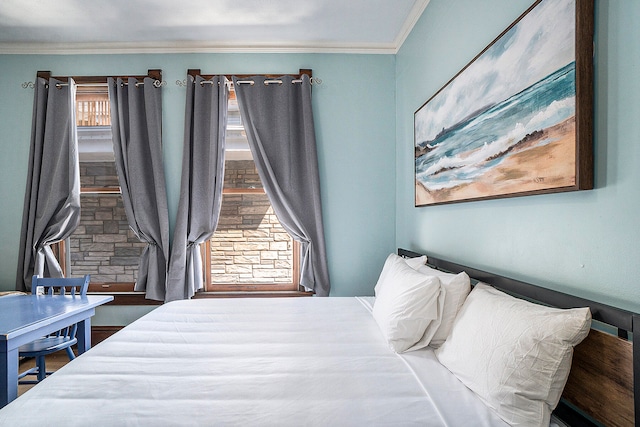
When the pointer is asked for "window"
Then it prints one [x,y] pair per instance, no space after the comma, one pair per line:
[103,244]
[250,251]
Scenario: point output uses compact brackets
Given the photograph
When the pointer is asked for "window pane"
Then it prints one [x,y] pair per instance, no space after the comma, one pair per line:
[241,174]
[103,245]
[250,246]
[92,106]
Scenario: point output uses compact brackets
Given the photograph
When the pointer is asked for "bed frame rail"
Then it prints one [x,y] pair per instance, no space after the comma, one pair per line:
[604,384]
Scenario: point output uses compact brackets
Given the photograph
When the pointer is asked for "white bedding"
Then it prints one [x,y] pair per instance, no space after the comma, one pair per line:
[272,362]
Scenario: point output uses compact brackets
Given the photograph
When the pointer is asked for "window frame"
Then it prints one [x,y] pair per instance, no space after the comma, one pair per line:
[249,287]
[123,292]
[205,248]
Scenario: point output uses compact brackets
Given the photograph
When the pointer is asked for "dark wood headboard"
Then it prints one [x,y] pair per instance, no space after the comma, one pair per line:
[604,384]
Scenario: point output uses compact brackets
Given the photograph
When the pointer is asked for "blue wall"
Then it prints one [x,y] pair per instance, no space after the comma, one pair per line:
[355,124]
[585,243]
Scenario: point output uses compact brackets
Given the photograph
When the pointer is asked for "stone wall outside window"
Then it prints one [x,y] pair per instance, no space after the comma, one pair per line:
[249,246]
[103,245]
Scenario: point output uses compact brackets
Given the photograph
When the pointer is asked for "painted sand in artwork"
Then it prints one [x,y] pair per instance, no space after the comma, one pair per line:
[506,124]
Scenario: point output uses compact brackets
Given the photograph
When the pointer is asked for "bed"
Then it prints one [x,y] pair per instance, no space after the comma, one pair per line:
[306,361]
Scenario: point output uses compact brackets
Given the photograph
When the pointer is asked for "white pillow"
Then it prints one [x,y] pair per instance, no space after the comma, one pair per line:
[407,306]
[514,354]
[416,262]
[382,279]
[391,259]
[457,287]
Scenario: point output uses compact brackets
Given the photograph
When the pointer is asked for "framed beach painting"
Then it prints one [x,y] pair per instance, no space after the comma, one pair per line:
[517,120]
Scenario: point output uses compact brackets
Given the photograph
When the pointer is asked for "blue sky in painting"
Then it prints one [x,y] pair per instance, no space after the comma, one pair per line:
[537,46]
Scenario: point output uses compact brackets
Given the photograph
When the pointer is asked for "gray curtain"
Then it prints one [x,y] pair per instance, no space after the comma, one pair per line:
[52,198]
[136,124]
[202,182]
[278,120]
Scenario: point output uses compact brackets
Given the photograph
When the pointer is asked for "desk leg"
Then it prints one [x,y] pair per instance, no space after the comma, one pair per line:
[84,335]
[8,374]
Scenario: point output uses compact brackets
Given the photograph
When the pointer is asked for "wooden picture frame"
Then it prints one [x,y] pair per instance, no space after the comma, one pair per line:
[518,119]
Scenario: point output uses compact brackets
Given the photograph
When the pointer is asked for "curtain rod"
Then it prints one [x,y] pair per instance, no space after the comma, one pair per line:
[271,78]
[31,85]
[313,80]
[97,81]
[156,83]
[249,82]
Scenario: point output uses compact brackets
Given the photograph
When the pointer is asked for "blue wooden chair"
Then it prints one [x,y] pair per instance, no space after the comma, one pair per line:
[60,340]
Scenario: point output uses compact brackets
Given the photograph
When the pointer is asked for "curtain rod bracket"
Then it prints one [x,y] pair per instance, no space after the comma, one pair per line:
[28,85]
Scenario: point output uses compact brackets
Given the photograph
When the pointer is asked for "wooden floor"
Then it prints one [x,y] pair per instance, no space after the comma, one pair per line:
[53,361]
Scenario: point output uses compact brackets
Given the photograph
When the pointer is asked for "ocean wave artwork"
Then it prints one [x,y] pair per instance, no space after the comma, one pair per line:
[507,122]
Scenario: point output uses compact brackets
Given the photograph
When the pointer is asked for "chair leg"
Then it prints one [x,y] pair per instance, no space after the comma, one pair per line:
[31,371]
[42,370]
[70,353]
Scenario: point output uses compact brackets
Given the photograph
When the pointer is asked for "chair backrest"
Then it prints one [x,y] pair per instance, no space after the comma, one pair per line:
[61,285]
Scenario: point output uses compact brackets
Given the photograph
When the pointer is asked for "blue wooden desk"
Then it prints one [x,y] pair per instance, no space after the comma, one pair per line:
[24,318]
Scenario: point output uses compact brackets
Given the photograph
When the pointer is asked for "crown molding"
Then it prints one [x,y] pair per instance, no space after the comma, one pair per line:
[191,47]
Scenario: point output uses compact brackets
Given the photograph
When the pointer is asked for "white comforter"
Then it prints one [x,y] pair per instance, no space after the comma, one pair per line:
[262,362]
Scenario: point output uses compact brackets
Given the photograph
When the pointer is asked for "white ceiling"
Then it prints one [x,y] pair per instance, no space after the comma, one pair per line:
[121,26]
